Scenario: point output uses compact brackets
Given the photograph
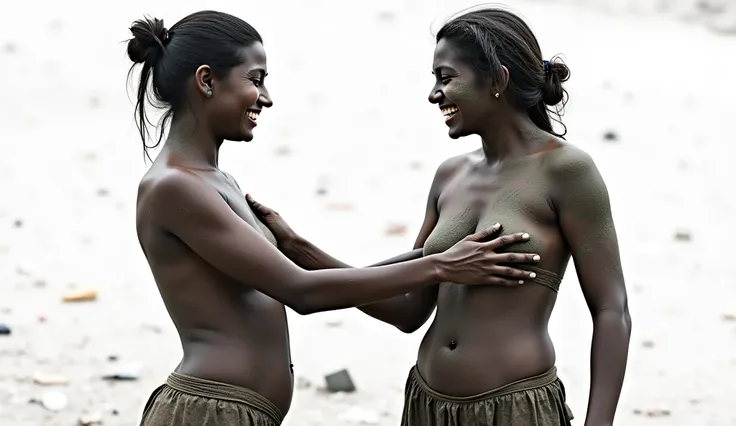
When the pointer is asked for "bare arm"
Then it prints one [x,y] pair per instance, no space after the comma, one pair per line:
[585,218]
[409,311]
[182,204]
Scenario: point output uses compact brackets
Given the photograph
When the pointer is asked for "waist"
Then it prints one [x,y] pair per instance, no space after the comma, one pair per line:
[521,385]
[473,363]
[264,369]
[225,392]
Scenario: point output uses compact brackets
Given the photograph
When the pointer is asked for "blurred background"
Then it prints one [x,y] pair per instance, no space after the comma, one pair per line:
[347,155]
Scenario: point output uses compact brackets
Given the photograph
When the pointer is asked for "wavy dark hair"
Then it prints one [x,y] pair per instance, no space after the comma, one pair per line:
[488,38]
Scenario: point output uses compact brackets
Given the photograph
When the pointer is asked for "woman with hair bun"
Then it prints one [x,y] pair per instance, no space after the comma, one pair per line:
[487,358]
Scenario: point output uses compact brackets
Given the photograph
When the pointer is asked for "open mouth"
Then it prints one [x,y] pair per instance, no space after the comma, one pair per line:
[252,115]
[448,111]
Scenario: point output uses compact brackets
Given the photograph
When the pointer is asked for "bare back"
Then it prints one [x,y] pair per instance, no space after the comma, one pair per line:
[485,337]
[229,333]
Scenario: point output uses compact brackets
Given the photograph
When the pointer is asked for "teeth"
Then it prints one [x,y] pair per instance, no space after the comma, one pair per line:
[252,115]
[448,110]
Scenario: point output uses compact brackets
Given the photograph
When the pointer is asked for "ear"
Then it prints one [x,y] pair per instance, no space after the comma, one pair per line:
[503,83]
[203,79]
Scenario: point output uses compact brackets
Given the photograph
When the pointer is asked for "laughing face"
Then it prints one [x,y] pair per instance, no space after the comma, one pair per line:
[239,98]
[465,99]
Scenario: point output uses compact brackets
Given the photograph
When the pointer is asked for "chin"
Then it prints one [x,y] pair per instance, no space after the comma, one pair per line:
[456,133]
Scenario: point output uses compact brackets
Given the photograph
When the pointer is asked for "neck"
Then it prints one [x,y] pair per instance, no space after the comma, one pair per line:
[516,136]
[191,140]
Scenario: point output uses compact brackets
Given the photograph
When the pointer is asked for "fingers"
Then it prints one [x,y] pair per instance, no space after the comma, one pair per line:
[505,240]
[516,258]
[504,282]
[484,234]
[255,205]
[509,272]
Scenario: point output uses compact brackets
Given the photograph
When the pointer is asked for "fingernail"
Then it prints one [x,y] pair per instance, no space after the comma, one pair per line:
[521,281]
[525,236]
[532,275]
[496,226]
[536,258]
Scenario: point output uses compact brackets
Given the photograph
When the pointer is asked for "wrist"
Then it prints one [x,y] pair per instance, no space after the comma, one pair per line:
[291,244]
[438,267]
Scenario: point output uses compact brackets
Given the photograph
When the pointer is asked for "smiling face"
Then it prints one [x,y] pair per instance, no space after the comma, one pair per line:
[465,99]
[238,98]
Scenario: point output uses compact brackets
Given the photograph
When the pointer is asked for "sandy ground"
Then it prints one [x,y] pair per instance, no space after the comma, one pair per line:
[351,117]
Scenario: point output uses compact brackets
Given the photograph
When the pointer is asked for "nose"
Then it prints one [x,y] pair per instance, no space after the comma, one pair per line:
[435,96]
[264,99]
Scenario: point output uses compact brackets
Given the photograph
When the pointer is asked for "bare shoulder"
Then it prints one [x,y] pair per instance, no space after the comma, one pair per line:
[570,165]
[172,192]
[450,167]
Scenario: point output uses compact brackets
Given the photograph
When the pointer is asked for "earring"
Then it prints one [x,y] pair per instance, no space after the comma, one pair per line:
[208,93]
[497,94]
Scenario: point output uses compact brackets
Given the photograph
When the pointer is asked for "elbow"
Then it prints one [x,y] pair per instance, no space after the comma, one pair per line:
[305,300]
[407,328]
[610,316]
[302,304]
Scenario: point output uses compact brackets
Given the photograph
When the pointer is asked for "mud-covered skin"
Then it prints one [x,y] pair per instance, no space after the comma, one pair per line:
[485,337]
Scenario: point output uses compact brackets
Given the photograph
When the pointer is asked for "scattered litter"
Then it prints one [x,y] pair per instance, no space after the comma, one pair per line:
[80,296]
[54,400]
[610,136]
[683,236]
[340,382]
[90,419]
[44,379]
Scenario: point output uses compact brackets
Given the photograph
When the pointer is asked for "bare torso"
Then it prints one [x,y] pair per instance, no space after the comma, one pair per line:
[229,332]
[486,337]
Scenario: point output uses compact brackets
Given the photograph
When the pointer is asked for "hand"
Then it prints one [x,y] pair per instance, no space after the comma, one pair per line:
[474,261]
[275,223]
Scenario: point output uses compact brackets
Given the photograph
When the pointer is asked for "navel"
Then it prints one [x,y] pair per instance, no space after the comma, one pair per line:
[452,345]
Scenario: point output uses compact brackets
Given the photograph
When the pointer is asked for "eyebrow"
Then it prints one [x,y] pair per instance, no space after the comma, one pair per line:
[443,67]
[260,71]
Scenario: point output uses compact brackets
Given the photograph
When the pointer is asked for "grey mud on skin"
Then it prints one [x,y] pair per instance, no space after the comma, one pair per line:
[527,177]
[224,283]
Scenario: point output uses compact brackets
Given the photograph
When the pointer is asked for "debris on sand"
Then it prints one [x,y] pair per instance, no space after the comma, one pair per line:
[54,400]
[87,295]
[44,379]
[339,382]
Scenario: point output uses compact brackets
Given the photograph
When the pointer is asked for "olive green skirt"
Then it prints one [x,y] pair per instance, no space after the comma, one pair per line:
[535,401]
[186,400]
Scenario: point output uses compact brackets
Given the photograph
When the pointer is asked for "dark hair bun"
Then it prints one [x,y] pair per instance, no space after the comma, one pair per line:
[146,46]
[553,93]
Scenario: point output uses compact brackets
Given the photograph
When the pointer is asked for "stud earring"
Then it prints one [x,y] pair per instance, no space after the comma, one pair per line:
[497,94]
[208,93]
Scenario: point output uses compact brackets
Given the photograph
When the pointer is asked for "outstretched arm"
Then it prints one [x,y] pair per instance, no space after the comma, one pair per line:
[585,218]
[182,204]
[408,311]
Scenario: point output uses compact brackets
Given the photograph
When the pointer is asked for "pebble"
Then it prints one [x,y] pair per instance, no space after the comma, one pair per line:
[54,400]
[90,419]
